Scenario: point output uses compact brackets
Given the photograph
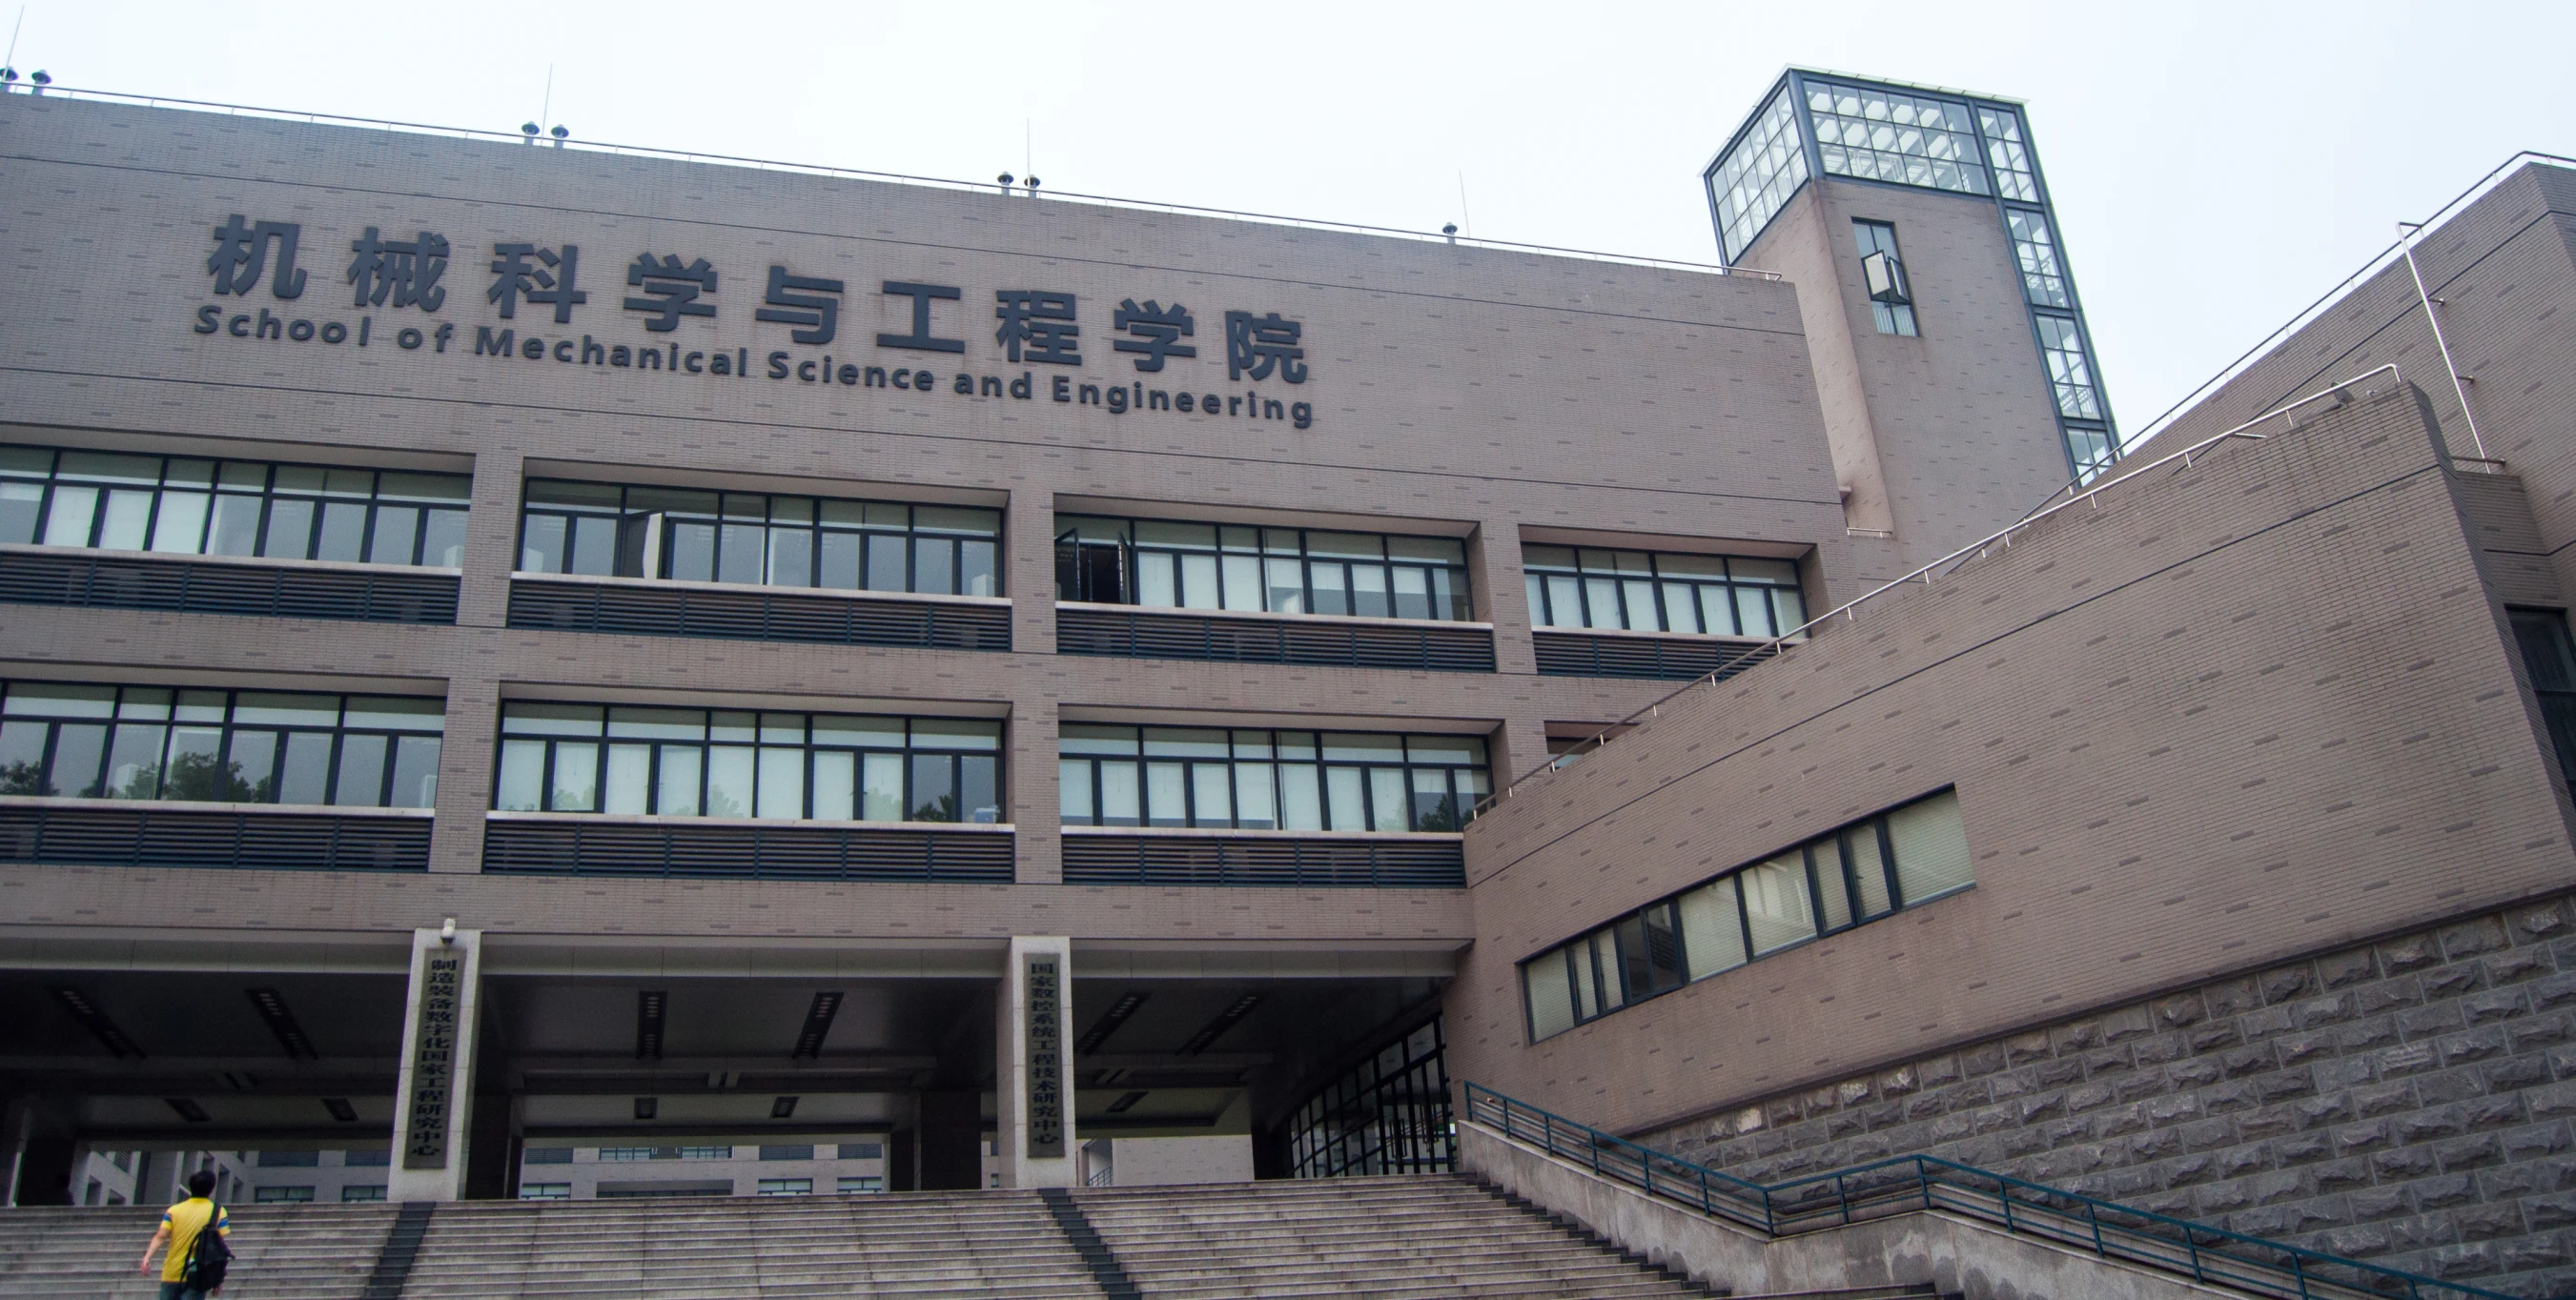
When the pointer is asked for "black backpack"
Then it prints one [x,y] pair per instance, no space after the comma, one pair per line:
[208,1255]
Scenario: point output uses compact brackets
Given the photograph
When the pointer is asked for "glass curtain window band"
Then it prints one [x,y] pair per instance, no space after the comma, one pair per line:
[1754,180]
[1388,1115]
[589,758]
[1852,875]
[214,746]
[1268,780]
[181,505]
[1169,564]
[1641,591]
[758,539]
[1887,135]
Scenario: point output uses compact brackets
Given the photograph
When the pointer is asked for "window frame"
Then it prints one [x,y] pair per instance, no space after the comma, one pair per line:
[1541,597]
[430,516]
[911,758]
[1609,988]
[1873,235]
[1460,797]
[647,538]
[1446,582]
[231,730]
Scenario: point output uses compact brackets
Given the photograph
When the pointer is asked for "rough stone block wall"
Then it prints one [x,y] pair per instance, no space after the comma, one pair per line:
[2406,1102]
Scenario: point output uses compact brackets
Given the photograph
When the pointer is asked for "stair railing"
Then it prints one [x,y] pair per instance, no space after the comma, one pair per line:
[1904,1184]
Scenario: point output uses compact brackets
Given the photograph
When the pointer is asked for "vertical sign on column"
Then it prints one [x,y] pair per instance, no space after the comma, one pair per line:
[433,1060]
[1045,1038]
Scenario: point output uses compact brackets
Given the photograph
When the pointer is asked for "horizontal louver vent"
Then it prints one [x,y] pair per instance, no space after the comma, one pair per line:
[756,615]
[169,837]
[1321,862]
[1161,635]
[210,587]
[1575,654]
[577,846]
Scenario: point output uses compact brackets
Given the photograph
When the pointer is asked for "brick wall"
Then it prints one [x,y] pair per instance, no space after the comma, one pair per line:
[2406,1102]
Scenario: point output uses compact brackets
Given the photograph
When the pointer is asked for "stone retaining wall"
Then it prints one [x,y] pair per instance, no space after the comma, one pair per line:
[2406,1102]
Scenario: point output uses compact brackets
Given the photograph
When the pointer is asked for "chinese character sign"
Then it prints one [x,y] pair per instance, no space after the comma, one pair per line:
[242,251]
[433,1061]
[1157,332]
[1037,326]
[403,271]
[1045,1102]
[1254,344]
[547,280]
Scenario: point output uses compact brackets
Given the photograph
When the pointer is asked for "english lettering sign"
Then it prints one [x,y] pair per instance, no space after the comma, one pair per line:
[397,287]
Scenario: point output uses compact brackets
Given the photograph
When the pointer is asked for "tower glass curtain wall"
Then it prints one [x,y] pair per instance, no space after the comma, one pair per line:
[1816,125]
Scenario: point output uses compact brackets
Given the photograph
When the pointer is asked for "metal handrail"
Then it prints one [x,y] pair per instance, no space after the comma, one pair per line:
[897,178]
[1903,1184]
[1780,645]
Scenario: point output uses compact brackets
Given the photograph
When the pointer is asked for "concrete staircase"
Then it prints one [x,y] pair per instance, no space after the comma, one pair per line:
[1401,1238]
[1418,1238]
[282,1252]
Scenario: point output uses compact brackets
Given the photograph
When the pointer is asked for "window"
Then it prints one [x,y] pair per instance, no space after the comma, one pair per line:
[2550,659]
[1176,565]
[1640,591]
[274,1195]
[1268,780]
[1388,1115]
[755,539]
[786,1187]
[611,1155]
[181,506]
[548,1155]
[865,1184]
[1885,135]
[1854,875]
[1754,180]
[724,763]
[2043,277]
[2089,447]
[2015,178]
[545,1191]
[1891,296]
[289,1159]
[863,1151]
[706,1153]
[375,1156]
[791,1152]
[362,1192]
[2070,374]
[154,742]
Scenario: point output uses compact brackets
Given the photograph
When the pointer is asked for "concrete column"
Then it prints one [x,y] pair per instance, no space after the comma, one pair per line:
[466,753]
[433,1098]
[1028,563]
[1033,1066]
[1494,582]
[1034,806]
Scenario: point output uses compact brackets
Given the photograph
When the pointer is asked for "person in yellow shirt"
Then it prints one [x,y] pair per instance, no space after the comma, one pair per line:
[180,1225]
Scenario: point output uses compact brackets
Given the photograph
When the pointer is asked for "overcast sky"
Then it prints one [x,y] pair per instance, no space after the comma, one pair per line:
[2215,166]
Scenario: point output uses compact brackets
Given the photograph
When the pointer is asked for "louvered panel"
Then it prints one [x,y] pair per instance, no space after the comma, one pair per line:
[582,847]
[175,837]
[1159,634]
[757,615]
[205,586]
[1576,654]
[1329,862]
